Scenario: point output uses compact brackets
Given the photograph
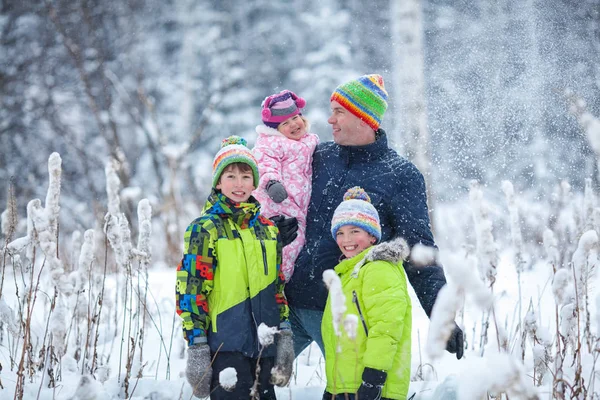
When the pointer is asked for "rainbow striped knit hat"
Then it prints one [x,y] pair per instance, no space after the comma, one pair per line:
[364,97]
[357,210]
[234,149]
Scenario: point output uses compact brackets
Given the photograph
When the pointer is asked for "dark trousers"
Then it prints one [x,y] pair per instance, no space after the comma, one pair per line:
[344,396]
[246,375]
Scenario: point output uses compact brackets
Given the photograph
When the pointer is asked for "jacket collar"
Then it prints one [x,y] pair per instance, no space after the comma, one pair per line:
[347,264]
[243,214]
[393,251]
[367,153]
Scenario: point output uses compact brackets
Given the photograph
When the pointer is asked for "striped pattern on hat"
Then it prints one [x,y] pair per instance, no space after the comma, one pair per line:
[364,97]
[234,149]
[281,106]
[357,210]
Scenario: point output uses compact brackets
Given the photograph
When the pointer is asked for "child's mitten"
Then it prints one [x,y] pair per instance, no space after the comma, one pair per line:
[198,370]
[372,384]
[284,361]
[276,191]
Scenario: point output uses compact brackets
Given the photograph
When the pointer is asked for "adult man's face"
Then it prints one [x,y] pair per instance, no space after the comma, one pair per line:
[348,129]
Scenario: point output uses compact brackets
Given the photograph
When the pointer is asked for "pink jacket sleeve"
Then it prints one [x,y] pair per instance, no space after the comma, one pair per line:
[269,158]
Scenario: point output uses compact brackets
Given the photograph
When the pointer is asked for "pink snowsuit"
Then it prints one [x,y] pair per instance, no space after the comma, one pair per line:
[289,162]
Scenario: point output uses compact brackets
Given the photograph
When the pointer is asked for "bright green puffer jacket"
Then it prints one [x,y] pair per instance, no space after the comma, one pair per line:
[375,286]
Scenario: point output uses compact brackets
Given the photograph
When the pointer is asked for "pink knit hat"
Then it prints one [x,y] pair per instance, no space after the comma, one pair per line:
[281,106]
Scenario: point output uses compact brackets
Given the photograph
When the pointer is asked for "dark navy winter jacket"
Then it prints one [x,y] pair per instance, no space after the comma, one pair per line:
[397,190]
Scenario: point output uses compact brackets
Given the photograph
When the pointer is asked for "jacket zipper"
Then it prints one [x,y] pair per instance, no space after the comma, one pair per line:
[362,318]
[264,254]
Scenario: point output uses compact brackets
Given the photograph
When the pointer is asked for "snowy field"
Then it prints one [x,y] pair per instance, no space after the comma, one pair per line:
[104,327]
[162,376]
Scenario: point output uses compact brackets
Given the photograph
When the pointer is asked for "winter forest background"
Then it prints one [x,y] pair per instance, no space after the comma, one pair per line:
[495,101]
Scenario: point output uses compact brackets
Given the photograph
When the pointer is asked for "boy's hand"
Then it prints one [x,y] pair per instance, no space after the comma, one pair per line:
[288,228]
[276,191]
[284,361]
[198,370]
[372,384]
[456,342]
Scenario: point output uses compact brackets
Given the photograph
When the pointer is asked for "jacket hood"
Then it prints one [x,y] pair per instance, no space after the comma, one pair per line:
[394,251]
[243,214]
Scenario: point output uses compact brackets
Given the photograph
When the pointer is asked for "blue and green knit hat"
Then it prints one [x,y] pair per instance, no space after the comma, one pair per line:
[234,149]
[364,97]
[357,210]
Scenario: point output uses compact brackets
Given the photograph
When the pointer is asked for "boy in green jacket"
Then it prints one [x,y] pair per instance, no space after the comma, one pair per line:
[372,360]
[229,282]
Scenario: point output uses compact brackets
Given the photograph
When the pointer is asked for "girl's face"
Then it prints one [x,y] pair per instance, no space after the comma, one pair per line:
[293,128]
[235,184]
[352,240]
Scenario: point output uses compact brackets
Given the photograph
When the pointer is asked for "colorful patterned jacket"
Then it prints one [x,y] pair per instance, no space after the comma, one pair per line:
[229,280]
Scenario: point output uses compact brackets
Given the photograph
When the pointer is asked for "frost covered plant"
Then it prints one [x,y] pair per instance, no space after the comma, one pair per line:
[228,378]
[266,337]
[541,345]
[144,213]
[486,247]
[350,325]
[515,228]
[266,334]
[338,300]
[449,300]
[496,373]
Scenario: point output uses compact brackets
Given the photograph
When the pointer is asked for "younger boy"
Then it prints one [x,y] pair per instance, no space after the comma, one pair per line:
[229,282]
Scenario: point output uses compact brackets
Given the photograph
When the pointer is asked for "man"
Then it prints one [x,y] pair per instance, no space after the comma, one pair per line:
[360,156]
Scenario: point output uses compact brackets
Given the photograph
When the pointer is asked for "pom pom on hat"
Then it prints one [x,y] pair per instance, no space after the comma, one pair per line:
[234,149]
[364,97]
[357,210]
[357,193]
[281,106]
[233,139]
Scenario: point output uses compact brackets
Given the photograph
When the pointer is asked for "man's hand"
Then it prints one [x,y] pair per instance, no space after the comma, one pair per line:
[456,342]
[284,361]
[288,228]
[276,191]
[198,370]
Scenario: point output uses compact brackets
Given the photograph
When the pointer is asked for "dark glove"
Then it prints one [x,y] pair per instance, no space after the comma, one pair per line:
[284,360]
[288,228]
[276,191]
[198,370]
[456,342]
[372,384]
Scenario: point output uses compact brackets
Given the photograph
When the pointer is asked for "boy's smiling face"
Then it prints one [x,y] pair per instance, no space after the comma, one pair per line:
[352,240]
[235,184]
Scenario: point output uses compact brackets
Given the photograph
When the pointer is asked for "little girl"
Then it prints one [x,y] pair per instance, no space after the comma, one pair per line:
[284,150]
[373,362]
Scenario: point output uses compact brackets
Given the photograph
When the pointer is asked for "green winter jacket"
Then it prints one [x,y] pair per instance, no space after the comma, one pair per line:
[375,287]
[229,280]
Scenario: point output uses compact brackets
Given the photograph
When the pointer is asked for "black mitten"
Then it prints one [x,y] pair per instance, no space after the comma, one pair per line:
[372,384]
[288,228]
[456,342]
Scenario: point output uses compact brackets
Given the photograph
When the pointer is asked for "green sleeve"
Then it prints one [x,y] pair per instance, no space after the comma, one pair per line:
[385,297]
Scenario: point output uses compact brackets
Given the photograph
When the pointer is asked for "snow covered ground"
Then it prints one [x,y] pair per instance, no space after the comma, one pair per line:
[162,376]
